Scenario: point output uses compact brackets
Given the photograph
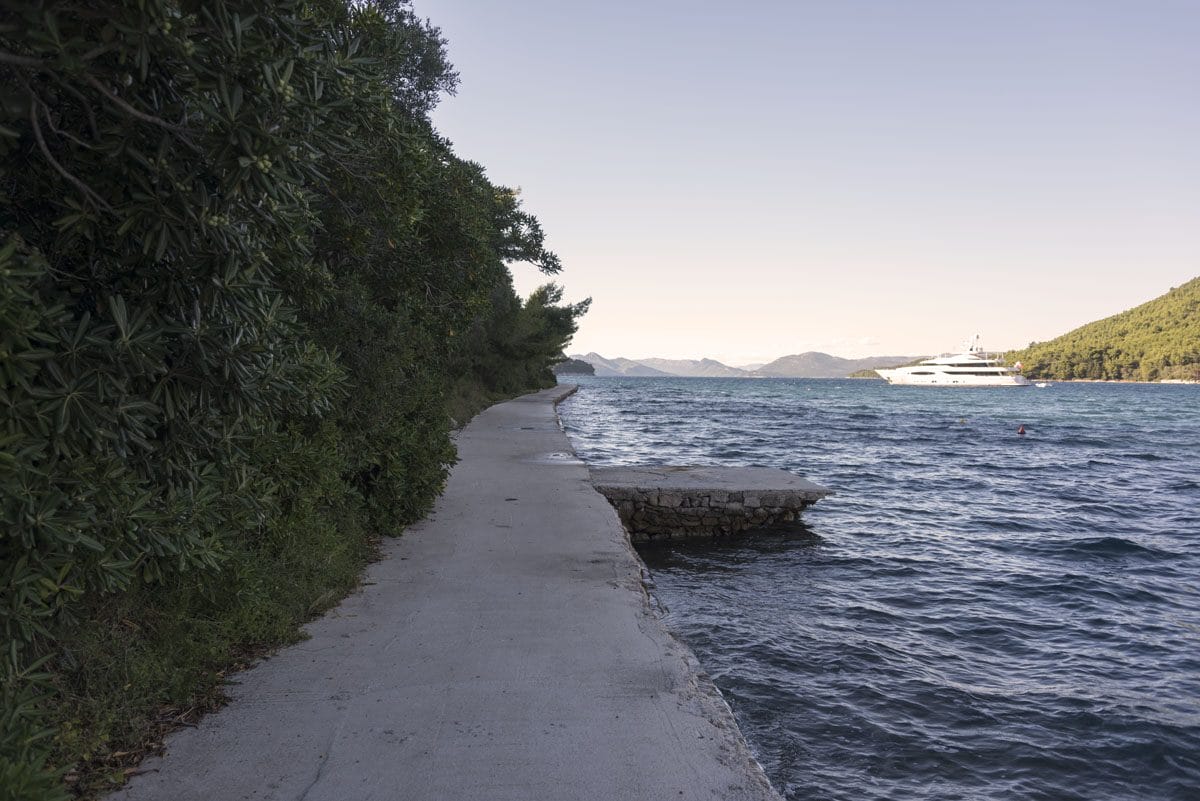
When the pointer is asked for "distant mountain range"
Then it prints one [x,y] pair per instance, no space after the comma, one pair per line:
[705,367]
[800,365]
[611,367]
[814,364]
[1156,341]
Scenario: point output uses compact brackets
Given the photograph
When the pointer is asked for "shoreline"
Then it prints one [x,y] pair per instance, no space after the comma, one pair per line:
[504,648]
[1171,381]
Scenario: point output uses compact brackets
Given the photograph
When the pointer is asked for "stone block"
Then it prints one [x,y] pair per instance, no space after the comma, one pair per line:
[669,502]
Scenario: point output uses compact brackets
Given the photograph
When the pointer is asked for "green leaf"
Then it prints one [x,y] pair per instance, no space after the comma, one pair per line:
[120,315]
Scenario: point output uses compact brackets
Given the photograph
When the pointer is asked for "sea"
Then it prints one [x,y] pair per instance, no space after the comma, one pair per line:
[974,614]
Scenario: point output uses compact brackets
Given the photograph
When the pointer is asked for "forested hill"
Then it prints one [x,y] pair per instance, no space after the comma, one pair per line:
[1157,340]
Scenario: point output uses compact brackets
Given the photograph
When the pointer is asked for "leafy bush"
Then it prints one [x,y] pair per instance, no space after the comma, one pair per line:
[239,275]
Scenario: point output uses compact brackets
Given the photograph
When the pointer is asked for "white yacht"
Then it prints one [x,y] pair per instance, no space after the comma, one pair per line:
[970,368]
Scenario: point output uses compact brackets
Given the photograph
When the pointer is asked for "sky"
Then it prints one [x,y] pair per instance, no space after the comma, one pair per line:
[746,180]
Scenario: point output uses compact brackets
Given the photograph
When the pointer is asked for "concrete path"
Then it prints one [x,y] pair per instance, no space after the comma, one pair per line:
[503,649]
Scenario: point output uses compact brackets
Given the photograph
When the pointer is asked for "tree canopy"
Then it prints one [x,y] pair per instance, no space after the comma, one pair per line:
[1157,340]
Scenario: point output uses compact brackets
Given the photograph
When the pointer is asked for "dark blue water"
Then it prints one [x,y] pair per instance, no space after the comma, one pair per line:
[974,615]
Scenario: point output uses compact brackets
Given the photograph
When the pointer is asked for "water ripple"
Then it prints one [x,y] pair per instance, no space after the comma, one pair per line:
[975,615]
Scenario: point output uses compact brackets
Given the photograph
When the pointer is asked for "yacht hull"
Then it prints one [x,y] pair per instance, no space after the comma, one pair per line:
[901,378]
[971,368]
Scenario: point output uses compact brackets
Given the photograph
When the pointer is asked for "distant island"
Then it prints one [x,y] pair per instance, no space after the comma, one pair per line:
[1156,341]
[811,364]
[870,372]
[573,367]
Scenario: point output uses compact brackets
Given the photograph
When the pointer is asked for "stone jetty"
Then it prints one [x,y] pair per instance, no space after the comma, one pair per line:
[678,502]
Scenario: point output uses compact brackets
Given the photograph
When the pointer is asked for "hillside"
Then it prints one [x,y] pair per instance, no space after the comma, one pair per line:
[618,366]
[1157,340]
[573,367]
[813,364]
[706,368]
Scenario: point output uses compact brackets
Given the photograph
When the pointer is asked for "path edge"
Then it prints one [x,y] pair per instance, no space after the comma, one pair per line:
[716,706]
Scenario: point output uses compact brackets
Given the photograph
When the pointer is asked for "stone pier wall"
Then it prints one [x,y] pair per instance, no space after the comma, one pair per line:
[689,501]
[649,513]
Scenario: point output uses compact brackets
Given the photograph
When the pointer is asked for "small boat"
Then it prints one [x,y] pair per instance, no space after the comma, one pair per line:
[1041,385]
[973,367]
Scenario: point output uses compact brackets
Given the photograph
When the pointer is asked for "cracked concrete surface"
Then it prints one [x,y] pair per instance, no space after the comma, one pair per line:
[505,648]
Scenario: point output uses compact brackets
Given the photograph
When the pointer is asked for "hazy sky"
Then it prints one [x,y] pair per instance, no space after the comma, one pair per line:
[744,180]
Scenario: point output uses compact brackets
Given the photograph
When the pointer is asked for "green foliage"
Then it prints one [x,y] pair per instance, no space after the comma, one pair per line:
[515,345]
[240,276]
[166,646]
[1156,340]
[573,367]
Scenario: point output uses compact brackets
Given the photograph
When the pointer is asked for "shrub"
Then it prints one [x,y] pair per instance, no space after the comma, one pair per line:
[239,275]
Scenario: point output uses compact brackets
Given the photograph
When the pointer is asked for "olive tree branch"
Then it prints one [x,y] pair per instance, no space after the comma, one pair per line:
[87,191]
[20,61]
[50,122]
[141,115]
[85,104]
